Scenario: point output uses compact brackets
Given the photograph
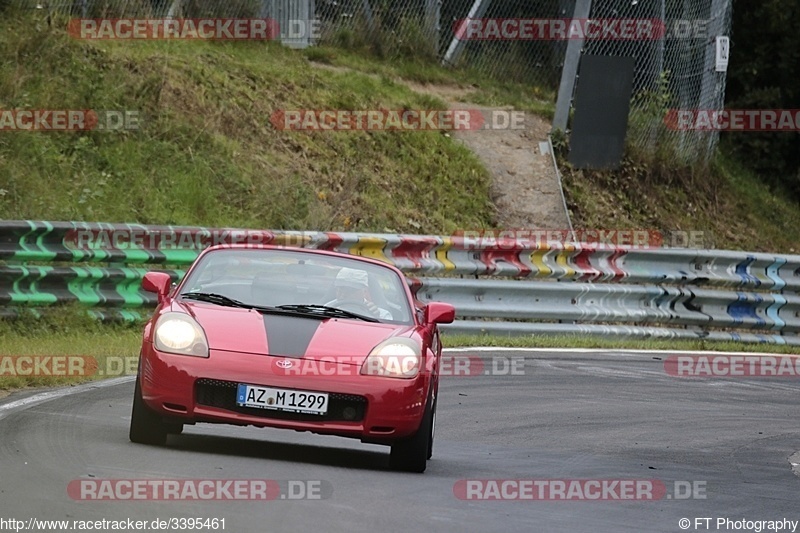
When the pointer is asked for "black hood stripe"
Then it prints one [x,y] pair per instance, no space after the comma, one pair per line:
[289,336]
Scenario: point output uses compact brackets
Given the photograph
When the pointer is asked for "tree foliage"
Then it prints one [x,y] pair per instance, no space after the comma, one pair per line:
[765,74]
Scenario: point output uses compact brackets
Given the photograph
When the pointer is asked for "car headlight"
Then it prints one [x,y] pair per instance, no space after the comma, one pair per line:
[179,333]
[398,357]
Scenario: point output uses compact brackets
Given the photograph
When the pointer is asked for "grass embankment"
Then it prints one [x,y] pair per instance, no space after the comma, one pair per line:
[206,152]
[64,332]
[728,204]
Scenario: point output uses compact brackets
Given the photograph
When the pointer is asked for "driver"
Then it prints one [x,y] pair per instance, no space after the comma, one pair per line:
[353,286]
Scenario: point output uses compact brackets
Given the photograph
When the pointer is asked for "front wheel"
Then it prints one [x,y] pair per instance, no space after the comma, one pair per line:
[146,426]
[412,454]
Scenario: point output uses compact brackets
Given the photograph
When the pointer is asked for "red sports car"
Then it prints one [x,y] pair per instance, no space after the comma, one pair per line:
[289,338]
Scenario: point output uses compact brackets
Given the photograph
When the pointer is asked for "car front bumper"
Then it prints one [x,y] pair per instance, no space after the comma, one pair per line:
[194,389]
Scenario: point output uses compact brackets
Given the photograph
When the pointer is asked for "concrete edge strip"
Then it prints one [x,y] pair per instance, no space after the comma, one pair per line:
[607,351]
[48,396]
[560,179]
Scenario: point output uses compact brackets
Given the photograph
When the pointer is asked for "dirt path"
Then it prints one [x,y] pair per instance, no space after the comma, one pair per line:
[525,188]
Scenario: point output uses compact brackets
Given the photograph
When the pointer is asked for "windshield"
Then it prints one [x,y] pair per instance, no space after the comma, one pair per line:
[287,278]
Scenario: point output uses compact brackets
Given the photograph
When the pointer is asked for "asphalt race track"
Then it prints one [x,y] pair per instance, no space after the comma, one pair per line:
[588,416]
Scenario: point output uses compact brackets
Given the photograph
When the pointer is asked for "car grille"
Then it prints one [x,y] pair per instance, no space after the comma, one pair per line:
[222,395]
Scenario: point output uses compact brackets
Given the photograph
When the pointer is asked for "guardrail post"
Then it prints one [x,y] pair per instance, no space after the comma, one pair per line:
[569,74]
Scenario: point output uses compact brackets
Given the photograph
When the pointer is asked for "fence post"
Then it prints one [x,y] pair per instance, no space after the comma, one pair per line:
[570,72]
[370,18]
[712,93]
[456,47]
[173,9]
[433,21]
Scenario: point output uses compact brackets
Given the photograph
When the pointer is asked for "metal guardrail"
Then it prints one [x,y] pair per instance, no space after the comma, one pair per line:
[505,288]
[612,309]
[598,303]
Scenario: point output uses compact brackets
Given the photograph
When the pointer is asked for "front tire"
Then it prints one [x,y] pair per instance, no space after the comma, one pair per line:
[146,426]
[174,428]
[412,454]
[433,432]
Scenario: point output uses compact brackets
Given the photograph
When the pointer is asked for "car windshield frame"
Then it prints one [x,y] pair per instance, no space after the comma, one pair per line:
[272,277]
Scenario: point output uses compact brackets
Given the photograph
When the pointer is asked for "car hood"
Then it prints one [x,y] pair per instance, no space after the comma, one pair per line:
[248,331]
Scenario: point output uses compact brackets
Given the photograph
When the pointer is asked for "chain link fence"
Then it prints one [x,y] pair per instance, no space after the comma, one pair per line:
[152,8]
[676,71]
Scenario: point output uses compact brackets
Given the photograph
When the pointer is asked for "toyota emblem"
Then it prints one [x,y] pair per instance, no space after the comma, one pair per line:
[284,363]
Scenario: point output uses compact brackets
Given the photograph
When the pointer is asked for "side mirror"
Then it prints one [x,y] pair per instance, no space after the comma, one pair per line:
[157,282]
[439,313]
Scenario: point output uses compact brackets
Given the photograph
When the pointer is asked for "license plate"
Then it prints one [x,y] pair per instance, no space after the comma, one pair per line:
[295,401]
